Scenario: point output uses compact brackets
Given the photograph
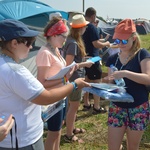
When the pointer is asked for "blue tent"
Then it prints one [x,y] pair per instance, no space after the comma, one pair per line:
[31,12]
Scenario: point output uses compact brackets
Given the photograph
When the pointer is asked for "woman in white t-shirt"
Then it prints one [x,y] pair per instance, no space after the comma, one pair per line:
[21,94]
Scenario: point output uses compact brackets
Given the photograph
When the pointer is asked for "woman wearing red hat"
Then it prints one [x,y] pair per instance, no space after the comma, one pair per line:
[133,66]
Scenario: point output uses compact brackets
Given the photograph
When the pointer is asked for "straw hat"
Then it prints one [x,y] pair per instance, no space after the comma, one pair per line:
[78,21]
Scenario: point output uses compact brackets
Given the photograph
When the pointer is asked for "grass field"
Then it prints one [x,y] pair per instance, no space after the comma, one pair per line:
[96,136]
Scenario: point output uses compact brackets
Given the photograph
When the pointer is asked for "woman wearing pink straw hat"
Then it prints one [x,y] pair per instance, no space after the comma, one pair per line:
[75,51]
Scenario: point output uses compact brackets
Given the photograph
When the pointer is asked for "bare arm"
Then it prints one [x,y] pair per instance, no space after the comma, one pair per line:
[87,64]
[98,44]
[70,58]
[54,95]
[141,78]
[41,76]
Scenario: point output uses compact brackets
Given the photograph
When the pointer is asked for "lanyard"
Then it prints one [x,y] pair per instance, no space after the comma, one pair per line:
[15,135]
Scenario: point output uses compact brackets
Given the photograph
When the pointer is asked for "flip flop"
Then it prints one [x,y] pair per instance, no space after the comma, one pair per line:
[79,130]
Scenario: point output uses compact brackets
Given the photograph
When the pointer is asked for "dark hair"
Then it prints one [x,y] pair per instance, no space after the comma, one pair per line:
[90,12]
[29,40]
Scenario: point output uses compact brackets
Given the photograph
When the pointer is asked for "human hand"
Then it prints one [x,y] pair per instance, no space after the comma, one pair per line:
[5,128]
[116,75]
[81,83]
[107,44]
[108,79]
[70,72]
[88,64]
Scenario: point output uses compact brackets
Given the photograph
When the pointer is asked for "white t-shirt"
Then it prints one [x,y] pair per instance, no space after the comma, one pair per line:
[18,87]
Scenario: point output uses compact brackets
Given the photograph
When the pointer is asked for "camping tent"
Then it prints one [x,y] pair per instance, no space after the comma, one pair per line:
[31,12]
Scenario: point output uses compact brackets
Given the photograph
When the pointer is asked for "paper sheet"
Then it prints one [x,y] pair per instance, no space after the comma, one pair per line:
[62,72]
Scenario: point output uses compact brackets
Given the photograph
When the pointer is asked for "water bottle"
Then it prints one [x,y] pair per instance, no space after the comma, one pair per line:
[119,82]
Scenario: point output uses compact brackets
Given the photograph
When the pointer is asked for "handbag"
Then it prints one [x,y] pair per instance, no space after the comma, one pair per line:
[147,86]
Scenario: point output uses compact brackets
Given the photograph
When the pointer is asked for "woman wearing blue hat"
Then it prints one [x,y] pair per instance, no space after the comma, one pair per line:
[21,94]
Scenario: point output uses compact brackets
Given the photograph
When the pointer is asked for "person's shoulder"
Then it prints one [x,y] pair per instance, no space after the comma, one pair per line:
[144,50]
[71,41]
[91,25]
[44,50]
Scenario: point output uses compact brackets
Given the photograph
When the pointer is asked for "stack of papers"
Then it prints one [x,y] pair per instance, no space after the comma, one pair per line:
[106,87]
[62,72]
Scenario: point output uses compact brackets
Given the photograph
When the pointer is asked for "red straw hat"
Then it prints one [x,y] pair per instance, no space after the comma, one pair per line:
[78,21]
[124,29]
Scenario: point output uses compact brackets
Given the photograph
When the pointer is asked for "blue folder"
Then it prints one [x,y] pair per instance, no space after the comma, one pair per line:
[94,59]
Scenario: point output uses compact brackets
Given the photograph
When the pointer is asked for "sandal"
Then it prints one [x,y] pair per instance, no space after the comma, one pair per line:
[78,130]
[86,108]
[98,111]
[72,138]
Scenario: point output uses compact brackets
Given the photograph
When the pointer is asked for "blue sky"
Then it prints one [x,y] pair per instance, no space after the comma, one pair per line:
[113,8]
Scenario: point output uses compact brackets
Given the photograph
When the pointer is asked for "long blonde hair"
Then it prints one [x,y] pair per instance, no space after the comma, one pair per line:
[136,44]
[75,34]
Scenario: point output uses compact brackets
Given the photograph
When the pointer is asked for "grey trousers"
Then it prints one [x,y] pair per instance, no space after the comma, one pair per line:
[36,146]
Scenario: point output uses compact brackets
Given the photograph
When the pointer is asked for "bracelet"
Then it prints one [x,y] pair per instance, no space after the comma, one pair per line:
[66,79]
[63,80]
[104,40]
[75,86]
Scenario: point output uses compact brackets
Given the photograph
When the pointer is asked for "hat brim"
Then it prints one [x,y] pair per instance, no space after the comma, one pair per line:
[79,25]
[30,33]
[121,36]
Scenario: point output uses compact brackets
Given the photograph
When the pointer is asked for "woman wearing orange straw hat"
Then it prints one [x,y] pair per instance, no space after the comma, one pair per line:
[75,51]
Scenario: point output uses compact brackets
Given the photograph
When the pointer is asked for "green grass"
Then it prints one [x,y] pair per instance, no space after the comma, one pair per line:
[96,136]
[145,41]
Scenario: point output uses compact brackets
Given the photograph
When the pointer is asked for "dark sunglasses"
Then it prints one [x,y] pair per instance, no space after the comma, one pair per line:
[26,41]
[117,41]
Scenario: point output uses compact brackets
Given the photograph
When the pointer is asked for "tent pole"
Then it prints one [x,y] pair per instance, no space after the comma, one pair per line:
[83,5]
